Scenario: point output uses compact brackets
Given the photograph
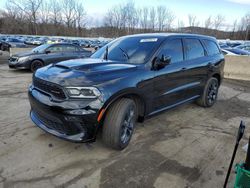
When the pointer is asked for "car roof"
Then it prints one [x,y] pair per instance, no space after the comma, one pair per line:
[164,35]
[63,43]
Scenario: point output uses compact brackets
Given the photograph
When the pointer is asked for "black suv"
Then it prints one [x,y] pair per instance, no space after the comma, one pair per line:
[127,80]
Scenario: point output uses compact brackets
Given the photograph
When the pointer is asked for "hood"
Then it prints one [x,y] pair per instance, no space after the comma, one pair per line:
[85,72]
[23,54]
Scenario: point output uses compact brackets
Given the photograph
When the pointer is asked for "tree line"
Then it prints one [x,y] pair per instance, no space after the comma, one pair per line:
[69,18]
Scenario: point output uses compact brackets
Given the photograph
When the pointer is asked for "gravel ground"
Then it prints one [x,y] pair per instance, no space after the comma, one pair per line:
[188,146]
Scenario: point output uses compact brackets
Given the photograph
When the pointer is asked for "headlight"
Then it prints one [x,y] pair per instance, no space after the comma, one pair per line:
[83,92]
[22,59]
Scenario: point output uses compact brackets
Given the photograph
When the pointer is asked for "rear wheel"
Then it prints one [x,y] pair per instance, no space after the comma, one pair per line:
[36,64]
[210,93]
[119,123]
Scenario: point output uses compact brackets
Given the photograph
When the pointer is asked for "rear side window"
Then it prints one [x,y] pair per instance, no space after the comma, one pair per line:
[69,48]
[56,48]
[193,49]
[212,48]
[173,48]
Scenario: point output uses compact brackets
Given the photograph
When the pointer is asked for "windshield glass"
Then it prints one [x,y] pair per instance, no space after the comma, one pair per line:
[134,50]
[41,48]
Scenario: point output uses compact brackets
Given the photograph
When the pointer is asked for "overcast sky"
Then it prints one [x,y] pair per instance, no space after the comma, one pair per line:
[231,9]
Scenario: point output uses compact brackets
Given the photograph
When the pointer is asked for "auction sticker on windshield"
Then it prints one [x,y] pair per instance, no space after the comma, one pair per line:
[149,40]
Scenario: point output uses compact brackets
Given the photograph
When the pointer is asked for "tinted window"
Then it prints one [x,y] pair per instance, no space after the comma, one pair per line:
[193,49]
[70,48]
[173,48]
[56,48]
[212,47]
[129,49]
[41,48]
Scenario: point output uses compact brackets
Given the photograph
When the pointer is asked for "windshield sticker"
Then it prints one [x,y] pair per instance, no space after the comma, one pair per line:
[149,40]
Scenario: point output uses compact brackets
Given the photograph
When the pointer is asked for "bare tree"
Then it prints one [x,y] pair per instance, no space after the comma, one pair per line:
[144,17]
[208,23]
[169,19]
[192,20]
[68,10]
[132,17]
[80,17]
[56,15]
[44,13]
[152,18]
[161,17]
[30,8]
[218,21]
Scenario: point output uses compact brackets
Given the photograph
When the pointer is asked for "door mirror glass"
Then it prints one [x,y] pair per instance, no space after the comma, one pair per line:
[161,62]
[47,51]
[165,59]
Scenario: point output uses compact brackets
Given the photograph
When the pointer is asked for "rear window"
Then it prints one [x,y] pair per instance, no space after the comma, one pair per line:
[212,48]
[193,49]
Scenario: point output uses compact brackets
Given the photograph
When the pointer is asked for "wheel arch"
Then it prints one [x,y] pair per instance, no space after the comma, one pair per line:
[218,77]
[36,59]
[132,94]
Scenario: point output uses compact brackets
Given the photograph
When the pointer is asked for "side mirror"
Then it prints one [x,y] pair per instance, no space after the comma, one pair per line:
[159,63]
[47,51]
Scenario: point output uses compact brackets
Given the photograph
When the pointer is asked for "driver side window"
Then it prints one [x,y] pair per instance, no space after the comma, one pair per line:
[172,48]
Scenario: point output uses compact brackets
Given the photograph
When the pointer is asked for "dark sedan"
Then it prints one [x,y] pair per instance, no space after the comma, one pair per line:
[46,54]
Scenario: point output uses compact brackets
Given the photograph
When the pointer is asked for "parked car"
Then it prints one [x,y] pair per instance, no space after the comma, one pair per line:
[84,44]
[130,79]
[245,47]
[75,42]
[46,54]
[11,43]
[100,45]
[233,44]
[234,51]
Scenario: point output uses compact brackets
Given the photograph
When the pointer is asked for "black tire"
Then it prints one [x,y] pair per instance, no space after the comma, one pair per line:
[210,93]
[36,64]
[119,123]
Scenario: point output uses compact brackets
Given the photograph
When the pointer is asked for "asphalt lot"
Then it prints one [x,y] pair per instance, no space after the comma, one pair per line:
[186,147]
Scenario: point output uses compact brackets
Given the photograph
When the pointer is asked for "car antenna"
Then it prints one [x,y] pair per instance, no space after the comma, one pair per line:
[106,53]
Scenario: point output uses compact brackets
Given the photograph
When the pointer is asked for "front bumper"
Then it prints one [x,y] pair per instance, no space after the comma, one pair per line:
[59,122]
[18,65]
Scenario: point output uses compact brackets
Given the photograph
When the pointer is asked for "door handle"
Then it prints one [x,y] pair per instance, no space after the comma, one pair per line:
[183,68]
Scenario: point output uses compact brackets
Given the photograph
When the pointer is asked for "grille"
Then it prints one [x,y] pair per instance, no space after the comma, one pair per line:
[13,58]
[56,124]
[49,87]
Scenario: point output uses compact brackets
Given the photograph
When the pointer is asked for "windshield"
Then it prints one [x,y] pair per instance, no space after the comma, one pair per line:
[134,50]
[41,48]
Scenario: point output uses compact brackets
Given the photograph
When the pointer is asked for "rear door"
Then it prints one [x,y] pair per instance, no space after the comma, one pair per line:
[54,55]
[74,52]
[70,52]
[196,61]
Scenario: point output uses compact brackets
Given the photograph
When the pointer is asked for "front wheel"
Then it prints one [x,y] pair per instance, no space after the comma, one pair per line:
[119,123]
[36,64]
[210,93]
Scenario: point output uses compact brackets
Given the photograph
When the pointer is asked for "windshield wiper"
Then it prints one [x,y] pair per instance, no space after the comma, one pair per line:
[124,53]
[106,53]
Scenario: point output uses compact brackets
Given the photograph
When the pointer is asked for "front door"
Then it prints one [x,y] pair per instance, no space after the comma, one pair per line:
[170,81]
